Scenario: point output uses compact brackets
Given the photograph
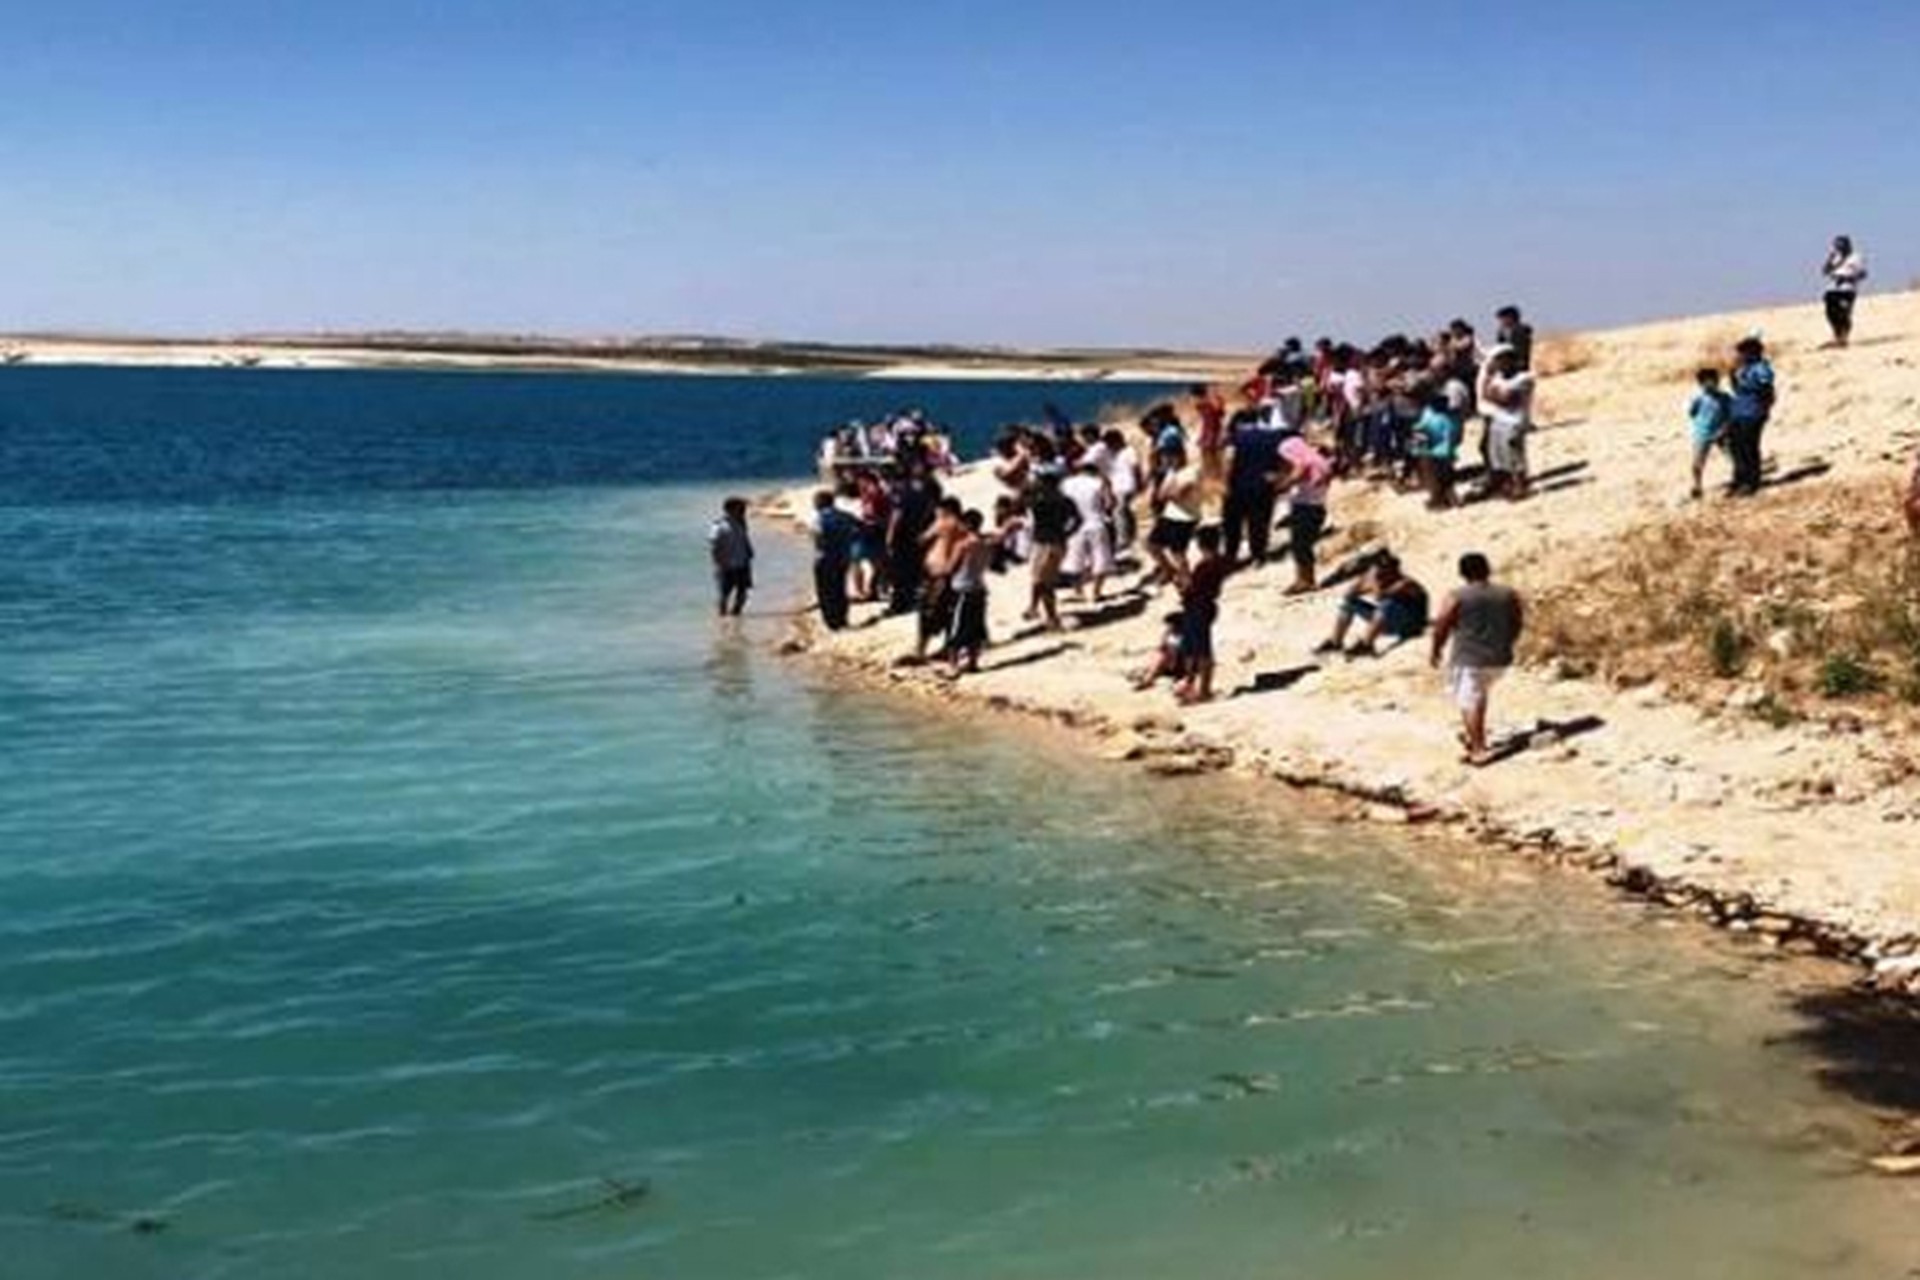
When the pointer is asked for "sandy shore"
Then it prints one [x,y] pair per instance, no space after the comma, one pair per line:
[1803,834]
[639,358]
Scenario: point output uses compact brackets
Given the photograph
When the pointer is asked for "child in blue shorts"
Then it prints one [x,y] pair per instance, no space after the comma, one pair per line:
[1707,416]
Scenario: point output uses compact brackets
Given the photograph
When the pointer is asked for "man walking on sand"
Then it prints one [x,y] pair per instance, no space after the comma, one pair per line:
[1483,620]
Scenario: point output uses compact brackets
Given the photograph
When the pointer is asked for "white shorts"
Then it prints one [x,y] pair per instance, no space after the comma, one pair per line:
[1090,551]
[1470,686]
[1507,448]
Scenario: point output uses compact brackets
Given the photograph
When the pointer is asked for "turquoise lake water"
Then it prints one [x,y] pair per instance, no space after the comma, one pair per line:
[387,864]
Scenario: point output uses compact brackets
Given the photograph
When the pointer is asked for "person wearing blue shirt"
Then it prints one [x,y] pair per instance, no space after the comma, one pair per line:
[1707,417]
[1436,444]
[1752,404]
[834,532]
[1248,509]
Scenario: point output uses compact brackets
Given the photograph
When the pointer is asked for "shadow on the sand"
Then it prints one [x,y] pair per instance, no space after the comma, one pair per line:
[1805,471]
[1867,1044]
[1275,681]
[1031,657]
[1561,472]
[1553,480]
[1549,732]
[1115,610]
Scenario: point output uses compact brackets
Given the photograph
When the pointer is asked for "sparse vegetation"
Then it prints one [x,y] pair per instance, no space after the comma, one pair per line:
[1563,353]
[1728,647]
[1790,603]
[1844,675]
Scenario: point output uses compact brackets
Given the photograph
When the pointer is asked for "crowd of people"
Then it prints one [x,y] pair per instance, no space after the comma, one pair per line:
[861,447]
[1195,494]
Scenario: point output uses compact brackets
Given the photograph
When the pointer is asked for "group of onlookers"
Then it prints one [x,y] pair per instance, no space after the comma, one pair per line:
[861,447]
[1206,486]
[1400,409]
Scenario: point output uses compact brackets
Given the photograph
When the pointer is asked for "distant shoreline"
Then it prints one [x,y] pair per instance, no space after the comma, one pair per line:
[690,356]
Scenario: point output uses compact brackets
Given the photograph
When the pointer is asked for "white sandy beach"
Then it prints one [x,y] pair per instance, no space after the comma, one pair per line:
[294,354]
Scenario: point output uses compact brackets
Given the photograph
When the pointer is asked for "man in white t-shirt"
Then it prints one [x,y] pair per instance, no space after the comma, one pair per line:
[1506,397]
[1090,549]
[1121,467]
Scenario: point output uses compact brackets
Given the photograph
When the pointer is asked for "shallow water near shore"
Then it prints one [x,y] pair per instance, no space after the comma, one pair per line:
[387,871]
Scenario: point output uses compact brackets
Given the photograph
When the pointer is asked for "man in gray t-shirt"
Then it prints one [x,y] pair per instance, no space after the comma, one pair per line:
[1482,620]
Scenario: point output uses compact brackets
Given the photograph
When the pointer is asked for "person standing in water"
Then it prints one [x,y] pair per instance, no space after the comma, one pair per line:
[730,548]
[1482,621]
[1845,269]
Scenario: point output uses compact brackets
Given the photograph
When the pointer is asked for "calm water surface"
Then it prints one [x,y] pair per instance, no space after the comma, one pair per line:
[392,853]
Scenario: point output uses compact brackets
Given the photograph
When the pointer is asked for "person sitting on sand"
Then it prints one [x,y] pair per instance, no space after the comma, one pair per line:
[833,532]
[730,548]
[1199,606]
[1306,476]
[1482,620]
[1052,519]
[1090,549]
[1506,396]
[1752,385]
[1845,271]
[1707,417]
[967,635]
[1176,501]
[1393,605]
[1169,663]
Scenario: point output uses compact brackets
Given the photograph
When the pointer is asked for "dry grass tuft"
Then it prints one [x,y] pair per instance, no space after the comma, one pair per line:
[1563,353]
[1782,608]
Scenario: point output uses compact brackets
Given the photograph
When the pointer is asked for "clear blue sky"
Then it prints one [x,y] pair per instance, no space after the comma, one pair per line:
[1182,174]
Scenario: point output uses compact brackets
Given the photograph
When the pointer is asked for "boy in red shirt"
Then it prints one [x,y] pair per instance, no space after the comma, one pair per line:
[1199,606]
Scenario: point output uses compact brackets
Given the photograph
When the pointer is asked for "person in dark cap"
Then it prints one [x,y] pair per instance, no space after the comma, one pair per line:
[1752,390]
[1516,335]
